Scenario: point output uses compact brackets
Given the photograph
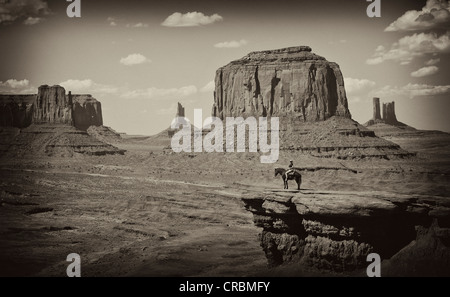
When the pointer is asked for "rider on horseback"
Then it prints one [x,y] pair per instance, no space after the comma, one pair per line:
[291,169]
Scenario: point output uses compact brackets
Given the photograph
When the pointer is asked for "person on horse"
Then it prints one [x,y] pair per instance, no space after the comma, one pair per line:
[291,169]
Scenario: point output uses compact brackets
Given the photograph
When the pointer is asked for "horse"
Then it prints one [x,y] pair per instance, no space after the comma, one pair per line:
[295,176]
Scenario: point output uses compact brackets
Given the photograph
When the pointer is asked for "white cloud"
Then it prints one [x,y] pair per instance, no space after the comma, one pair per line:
[12,10]
[436,13]
[417,90]
[209,87]
[134,59]
[112,21]
[32,21]
[409,47]
[231,44]
[87,86]
[157,92]
[425,71]
[13,86]
[190,19]
[358,89]
[432,62]
[137,25]
[411,91]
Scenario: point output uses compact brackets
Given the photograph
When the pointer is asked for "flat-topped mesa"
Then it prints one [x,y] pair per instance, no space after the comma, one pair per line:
[291,82]
[50,106]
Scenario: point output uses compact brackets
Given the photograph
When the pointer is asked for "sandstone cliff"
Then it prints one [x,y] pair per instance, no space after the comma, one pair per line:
[16,110]
[50,106]
[51,122]
[389,116]
[336,231]
[289,82]
[87,111]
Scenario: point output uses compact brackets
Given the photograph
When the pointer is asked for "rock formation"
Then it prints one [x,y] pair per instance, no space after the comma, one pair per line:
[389,113]
[87,111]
[16,110]
[180,119]
[51,123]
[389,116]
[290,82]
[59,140]
[306,92]
[50,106]
[180,111]
[335,231]
[376,109]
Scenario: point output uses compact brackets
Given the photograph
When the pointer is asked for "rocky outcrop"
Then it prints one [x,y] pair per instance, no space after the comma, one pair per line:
[52,123]
[180,111]
[376,109]
[389,116]
[389,113]
[16,110]
[335,231]
[50,106]
[306,92]
[87,111]
[290,82]
[179,119]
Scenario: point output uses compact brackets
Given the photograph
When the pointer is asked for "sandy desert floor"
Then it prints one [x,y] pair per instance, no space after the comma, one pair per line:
[152,212]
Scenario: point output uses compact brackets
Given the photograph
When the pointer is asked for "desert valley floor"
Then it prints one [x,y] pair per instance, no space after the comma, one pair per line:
[151,212]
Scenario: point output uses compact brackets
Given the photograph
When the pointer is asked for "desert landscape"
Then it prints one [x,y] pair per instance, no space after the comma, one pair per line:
[130,206]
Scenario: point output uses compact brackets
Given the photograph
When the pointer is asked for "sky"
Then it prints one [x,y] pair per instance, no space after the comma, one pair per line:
[139,58]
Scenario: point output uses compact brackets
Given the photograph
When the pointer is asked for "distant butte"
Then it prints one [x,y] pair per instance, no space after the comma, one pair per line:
[288,82]
[51,105]
[389,116]
[51,123]
[308,95]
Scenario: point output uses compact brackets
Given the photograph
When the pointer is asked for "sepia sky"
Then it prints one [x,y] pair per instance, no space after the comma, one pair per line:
[139,58]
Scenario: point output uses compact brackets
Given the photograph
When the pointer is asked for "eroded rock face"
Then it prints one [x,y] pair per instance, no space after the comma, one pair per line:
[335,231]
[52,106]
[291,82]
[389,116]
[376,109]
[87,111]
[16,110]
